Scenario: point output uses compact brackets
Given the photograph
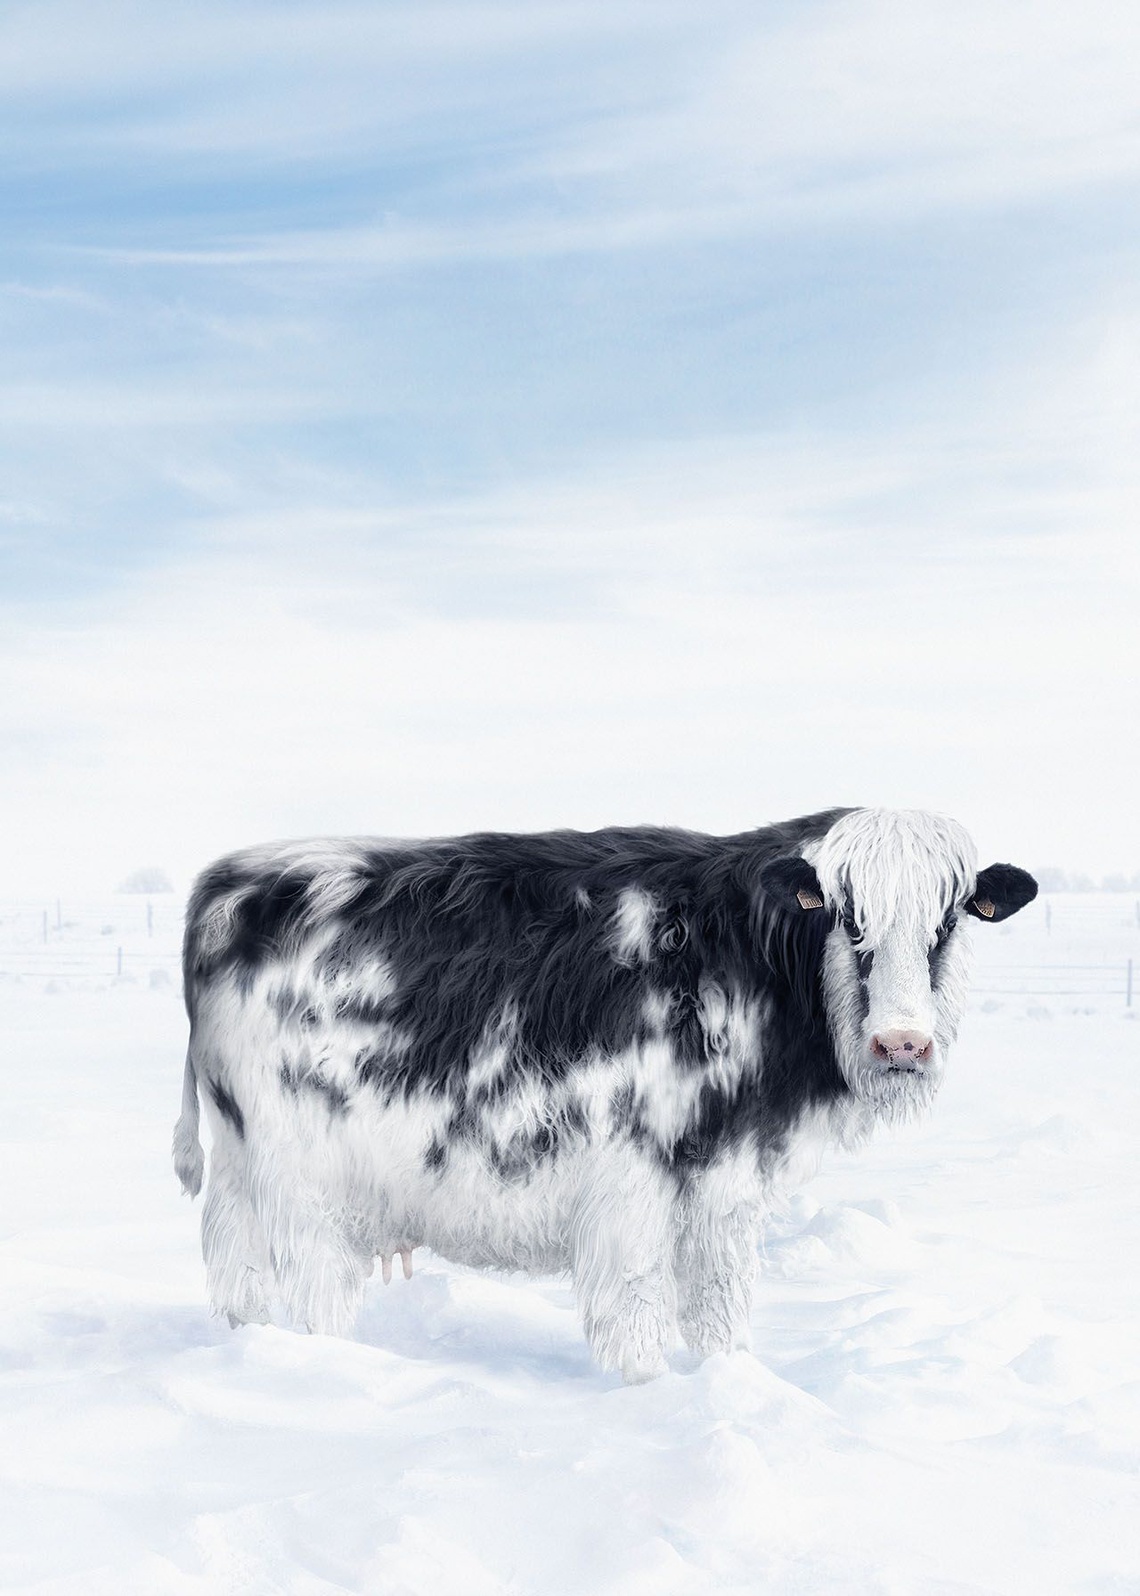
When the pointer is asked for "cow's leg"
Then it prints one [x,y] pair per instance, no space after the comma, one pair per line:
[716,1264]
[622,1260]
[318,1271]
[238,1272]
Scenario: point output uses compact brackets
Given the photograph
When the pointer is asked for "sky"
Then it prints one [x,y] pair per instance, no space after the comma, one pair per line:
[421,418]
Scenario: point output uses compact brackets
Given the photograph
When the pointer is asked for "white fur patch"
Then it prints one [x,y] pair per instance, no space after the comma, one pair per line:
[634,920]
[664,1093]
[491,1057]
[656,1010]
[216,925]
[522,1113]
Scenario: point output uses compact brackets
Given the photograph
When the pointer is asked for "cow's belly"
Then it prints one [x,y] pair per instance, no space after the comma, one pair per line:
[399,1176]
[472,1214]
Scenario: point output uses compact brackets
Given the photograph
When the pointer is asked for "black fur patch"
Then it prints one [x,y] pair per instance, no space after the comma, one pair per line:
[296,1081]
[228,1108]
[864,964]
[936,953]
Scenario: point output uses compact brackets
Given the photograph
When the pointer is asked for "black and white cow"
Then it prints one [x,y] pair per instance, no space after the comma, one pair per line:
[599,1052]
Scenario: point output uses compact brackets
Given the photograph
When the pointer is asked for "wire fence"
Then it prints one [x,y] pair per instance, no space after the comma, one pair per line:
[93,943]
[1058,980]
[115,963]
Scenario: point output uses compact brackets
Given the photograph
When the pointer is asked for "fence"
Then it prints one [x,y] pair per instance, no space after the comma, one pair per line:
[91,943]
[114,963]
[1057,980]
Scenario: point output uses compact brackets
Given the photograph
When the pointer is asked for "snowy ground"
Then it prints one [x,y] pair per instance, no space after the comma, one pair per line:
[945,1396]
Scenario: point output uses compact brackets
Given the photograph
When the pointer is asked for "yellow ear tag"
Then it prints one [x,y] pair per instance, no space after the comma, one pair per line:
[809,900]
[984,906]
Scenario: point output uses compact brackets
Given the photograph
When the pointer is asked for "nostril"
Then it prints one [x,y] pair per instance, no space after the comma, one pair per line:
[902,1047]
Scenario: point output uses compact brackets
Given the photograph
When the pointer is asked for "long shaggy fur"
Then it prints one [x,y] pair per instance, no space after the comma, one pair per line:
[599,1052]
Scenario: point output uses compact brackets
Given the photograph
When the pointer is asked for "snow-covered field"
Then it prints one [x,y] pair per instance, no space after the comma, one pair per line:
[945,1395]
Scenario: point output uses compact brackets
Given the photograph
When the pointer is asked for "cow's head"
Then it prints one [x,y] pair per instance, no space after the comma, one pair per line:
[896,888]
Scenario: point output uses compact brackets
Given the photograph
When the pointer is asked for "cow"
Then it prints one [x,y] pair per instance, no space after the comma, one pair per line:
[601,1052]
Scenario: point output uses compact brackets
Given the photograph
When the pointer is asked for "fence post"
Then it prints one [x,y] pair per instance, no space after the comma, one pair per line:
[1128,987]
[45,925]
[150,919]
[119,962]
[58,915]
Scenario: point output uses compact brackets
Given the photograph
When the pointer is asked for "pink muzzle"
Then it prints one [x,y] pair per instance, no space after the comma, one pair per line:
[902,1049]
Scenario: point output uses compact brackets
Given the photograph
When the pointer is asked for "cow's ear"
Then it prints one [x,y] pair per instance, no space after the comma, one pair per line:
[793,883]
[1002,890]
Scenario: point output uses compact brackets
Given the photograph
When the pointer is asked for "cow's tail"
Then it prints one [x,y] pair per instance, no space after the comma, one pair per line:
[189,1159]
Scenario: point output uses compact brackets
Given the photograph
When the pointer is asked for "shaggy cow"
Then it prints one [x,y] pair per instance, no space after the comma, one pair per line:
[602,1052]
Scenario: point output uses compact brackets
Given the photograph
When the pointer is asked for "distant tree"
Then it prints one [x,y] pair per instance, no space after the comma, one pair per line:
[1050,879]
[148,879]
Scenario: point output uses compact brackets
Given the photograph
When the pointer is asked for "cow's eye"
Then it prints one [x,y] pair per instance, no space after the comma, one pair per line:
[945,929]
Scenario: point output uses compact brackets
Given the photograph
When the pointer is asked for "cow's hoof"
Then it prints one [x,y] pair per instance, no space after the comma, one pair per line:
[639,1367]
[251,1316]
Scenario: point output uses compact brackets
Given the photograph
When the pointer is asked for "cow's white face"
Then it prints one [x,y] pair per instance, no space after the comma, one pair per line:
[898,887]
[894,1005]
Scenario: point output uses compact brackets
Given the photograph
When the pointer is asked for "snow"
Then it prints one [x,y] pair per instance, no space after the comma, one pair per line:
[945,1395]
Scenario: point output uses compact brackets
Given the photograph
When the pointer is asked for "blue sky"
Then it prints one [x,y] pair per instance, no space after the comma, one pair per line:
[422,417]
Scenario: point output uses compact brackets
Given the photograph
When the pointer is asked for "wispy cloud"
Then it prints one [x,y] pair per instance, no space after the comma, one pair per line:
[430,416]
[396,245]
[869,103]
[577,126]
[715,633]
[262,83]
